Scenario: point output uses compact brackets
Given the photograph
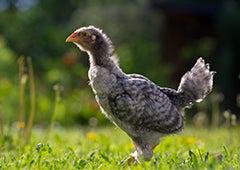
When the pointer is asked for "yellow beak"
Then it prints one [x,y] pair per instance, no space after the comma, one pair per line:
[73,38]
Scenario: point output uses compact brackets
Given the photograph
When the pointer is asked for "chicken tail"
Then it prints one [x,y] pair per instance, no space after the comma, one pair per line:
[196,83]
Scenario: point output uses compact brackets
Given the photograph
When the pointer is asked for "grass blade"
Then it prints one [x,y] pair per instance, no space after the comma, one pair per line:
[22,84]
[32,101]
[57,88]
[193,159]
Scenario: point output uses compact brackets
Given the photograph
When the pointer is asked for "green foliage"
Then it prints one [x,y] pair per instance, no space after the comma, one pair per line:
[9,89]
[108,148]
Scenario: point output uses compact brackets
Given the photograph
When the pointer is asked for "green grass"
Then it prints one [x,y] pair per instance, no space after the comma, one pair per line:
[108,147]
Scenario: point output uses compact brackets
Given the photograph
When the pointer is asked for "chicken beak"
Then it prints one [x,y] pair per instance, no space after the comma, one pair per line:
[72,38]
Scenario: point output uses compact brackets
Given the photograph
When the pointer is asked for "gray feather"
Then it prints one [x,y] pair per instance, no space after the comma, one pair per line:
[196,83]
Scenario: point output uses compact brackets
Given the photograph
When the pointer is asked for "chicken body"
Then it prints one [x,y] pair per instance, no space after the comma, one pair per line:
[145,111]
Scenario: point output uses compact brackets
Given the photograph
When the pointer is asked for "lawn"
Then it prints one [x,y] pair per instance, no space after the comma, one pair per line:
[108,147]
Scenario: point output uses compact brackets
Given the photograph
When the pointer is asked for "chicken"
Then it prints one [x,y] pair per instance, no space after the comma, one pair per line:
[145,111]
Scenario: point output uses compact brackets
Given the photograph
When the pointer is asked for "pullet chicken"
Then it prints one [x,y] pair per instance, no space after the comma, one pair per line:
[145,111]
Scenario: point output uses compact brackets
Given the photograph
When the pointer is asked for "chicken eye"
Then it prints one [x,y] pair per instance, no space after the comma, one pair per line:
[84,34]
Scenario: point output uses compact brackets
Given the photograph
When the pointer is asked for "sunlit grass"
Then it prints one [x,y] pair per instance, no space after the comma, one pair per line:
[108,147]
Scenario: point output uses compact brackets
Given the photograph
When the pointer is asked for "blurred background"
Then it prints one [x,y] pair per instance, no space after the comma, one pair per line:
[160,39]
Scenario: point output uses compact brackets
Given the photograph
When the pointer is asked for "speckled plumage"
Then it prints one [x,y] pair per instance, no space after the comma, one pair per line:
[145,111]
